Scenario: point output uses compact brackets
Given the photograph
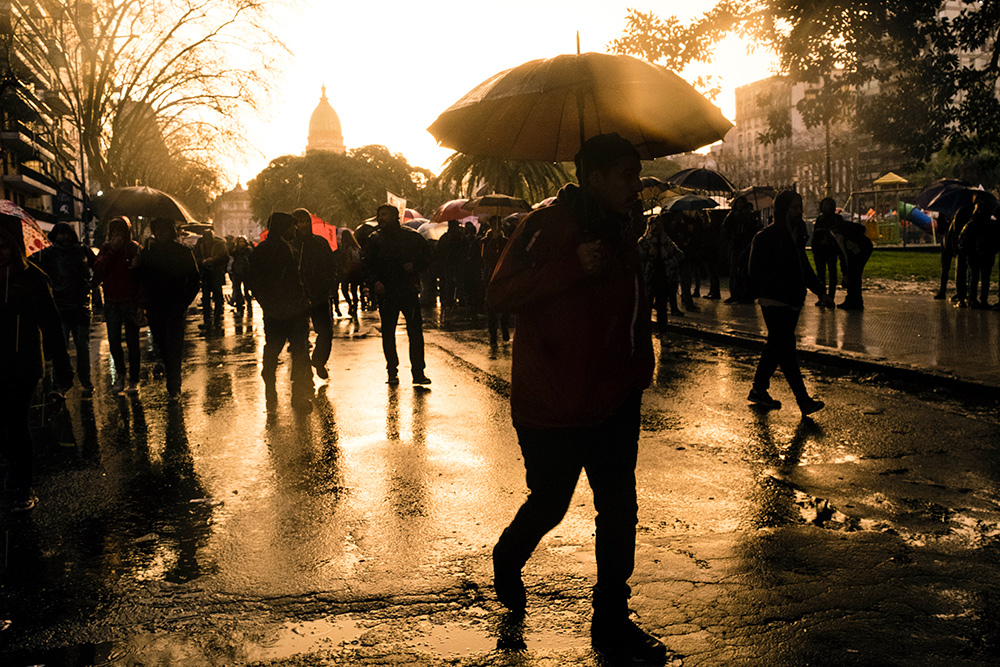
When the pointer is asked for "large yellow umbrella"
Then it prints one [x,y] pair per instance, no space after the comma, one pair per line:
[545,109]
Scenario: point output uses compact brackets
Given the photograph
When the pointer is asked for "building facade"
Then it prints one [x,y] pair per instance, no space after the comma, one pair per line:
[231,215]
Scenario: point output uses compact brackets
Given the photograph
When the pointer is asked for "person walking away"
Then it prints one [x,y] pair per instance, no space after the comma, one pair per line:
[317,267]
[826,248]
[977,242]
[781,272]
[492,247]
[681,230]
[660,258]
[213,259]
[739,228]
[122,304]
[711,242]
[394,258]
[274,279]
[30,323]
[349,260]
[239,261]
[170,280]
[582,357]
[857,249]
[69,266]
[452,252]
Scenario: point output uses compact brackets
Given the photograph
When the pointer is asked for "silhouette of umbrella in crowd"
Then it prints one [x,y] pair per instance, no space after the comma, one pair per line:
[761,196]
[545,109]
[951,199]
[34,237]
[689,203]
[928,194]
[451,210]
[140,200]
[703,179]
[433,231]
[496,205]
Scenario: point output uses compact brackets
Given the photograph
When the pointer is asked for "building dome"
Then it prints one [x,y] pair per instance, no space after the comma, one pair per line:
[324,128]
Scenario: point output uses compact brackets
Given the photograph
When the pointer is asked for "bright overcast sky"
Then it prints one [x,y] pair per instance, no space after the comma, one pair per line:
[391,66]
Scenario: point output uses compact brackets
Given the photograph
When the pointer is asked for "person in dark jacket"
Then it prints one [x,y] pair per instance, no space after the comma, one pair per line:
[239,261]
[29,324]
[69,265]
[317,266]
[738,229]
[394,256]
[274,278]
[213,259]
[582,357]
[170,280]
[825,247]
[122,306]
[452,255]
[492,247]
[781,272]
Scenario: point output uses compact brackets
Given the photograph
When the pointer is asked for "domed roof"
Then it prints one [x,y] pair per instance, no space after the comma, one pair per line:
[325,133]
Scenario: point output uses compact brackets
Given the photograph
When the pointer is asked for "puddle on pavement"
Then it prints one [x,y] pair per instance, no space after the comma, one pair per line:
[296,637]
[451,641]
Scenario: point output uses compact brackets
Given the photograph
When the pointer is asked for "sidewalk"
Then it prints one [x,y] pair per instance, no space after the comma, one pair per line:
[909,334]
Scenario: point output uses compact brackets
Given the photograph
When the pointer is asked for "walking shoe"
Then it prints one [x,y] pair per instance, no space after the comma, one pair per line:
[322,373]
[25,501]
[421,379]
[620,641]
[763,399]
[811,405]
[508,585]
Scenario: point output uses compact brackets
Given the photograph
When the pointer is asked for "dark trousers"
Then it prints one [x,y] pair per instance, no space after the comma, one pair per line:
[76,324]
[322,324]
[168,334]
[826,265]
[854,271]
[390,306]
[779,351]
[212,300]
[553,459]
[495,320]
[241,295]
[116,316]
[15,436]
[295,332]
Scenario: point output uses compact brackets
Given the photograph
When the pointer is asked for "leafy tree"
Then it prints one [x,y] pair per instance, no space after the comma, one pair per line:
[528,179]
[154,88]
[342,189]
[909,75]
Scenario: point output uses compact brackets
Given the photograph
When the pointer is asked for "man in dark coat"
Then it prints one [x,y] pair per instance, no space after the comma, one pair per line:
[69,265]
[170,279]
[213,259]
[317,266]
[582,356]
[273,277]
[29,324]
[394,258]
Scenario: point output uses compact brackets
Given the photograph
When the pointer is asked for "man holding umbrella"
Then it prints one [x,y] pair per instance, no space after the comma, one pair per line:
[582,357]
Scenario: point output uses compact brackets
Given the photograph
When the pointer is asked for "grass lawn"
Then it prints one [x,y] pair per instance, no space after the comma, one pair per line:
[912,266]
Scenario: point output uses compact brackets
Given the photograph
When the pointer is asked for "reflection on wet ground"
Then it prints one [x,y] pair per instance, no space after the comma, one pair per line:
[217,532]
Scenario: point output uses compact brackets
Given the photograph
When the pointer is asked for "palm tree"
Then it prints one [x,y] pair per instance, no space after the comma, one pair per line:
[528,179]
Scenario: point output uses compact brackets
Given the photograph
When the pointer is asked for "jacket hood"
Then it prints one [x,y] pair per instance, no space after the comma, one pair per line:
[59,228]
[10,231]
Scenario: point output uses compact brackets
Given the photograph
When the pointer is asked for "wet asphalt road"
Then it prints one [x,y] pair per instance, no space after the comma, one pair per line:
[218,532]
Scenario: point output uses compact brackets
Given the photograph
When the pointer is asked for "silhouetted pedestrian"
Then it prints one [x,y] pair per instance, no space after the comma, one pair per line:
[170,280]
[122,305]
[394,258]
[239,260]
[582,357]
[29,324]
[738,229]
[826,248]
[213,259]
[274,278]
[317,267]
[661,260]
[69,265]
[492,247]
[781,272]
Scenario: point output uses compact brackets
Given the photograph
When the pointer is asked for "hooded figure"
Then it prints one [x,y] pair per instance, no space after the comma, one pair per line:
[274,278]
[29,324]
[69,265]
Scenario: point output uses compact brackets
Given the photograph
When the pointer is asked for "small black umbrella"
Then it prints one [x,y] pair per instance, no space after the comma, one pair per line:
[707,180]
[143,201]
[761,196]
[689,203]
[496,205]
[951,199]
[928,194]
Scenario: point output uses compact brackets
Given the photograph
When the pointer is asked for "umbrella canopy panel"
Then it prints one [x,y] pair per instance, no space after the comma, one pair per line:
[496,205]
[34,237]
[928,194]
[542,109]
[702,179]
[689,203]
[146,202]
